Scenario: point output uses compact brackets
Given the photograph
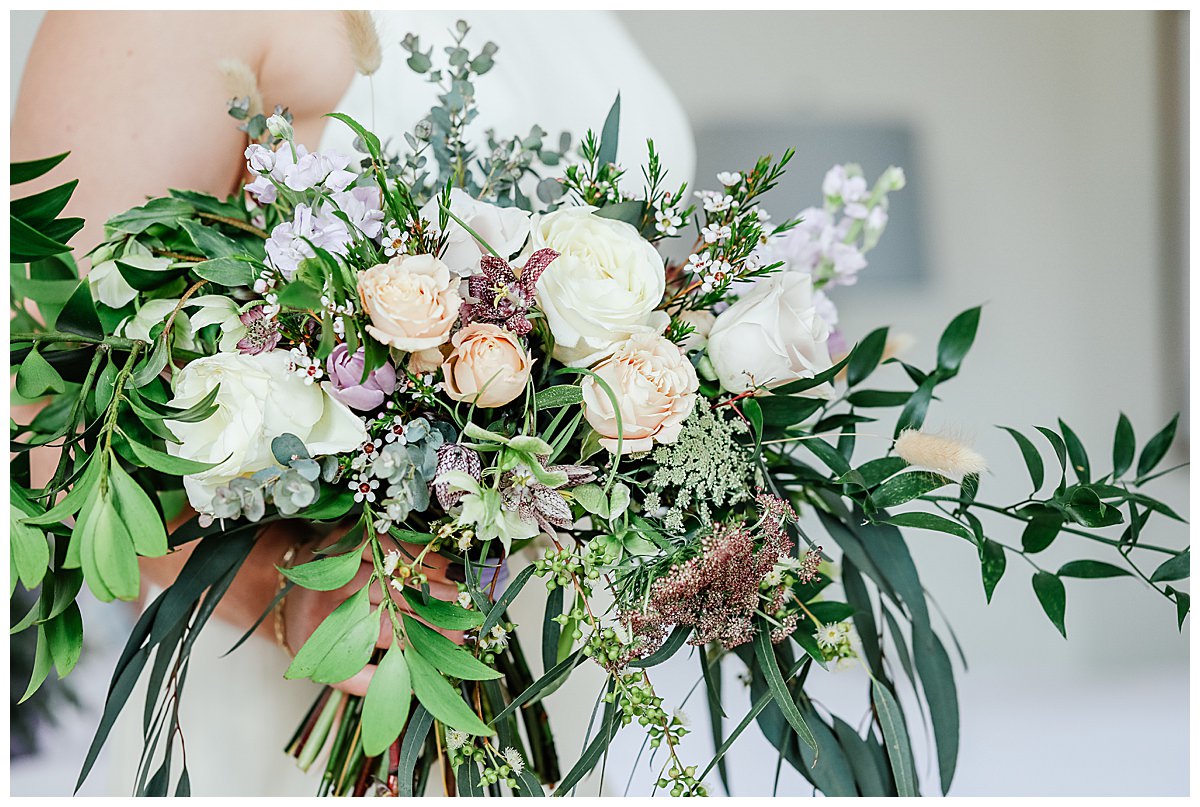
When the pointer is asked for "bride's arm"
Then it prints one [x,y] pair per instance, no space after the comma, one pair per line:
[137,99]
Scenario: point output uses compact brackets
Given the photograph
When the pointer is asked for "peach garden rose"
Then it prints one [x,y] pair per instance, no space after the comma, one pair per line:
[487,367]
[655,389]
[412,301]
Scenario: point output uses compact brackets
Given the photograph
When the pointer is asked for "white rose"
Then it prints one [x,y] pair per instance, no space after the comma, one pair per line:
[655,390]
[604,286]
[259,400]
[503,228]
[770,336]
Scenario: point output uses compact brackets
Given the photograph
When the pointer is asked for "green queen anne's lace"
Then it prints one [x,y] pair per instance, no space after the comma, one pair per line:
[704,468]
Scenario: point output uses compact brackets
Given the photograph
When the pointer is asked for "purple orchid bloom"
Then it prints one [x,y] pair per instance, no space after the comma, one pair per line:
[500,296]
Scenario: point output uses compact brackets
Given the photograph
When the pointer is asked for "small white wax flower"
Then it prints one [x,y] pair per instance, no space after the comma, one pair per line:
[729,178]
[464,599]
[456,739]
[829,635]
[513,758]
[390,561]
[945,455]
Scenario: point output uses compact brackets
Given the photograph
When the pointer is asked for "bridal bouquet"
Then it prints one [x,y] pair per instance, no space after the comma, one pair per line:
[477,351]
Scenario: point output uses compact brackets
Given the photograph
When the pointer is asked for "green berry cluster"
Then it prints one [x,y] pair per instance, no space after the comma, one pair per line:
[682,782]
[560,566]
[606,647]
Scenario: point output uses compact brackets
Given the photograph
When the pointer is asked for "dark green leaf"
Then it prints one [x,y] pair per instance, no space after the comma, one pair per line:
[906,487]
[27,244]
[44,206]
[630,211]
[878,398]
[769,665]
[157,211]
[21,172]
[1176,568]
[1053,596]
[678,636]
[913,413]
[1040,532]
[957,340]
[64,634]
[410,747]
[992,563]
[209,240]
[937,682]
[865,357]
[1060,451]
[931,521]
[496,613]
[607,153]
[1091,569]
[1124,446]
[551,629]
[1077,453]
[895,738]
[167,464]
[79,316]
[1183,603]
[1156,449]
[1033,460]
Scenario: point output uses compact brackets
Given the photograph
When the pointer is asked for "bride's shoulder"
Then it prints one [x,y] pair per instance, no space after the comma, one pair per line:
[305,63]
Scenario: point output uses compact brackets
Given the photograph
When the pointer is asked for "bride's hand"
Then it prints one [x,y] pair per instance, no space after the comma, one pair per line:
[305,609]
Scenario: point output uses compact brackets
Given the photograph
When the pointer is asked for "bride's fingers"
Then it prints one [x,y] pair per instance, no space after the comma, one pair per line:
[357,684]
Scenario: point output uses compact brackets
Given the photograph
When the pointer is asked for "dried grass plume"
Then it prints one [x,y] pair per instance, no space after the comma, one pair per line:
[364,41]
[947,456]
[241,82]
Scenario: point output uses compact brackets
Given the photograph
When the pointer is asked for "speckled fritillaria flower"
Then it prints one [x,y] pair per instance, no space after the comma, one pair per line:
[500,296]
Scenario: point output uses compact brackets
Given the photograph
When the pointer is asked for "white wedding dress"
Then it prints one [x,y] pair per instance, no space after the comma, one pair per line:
[560,70]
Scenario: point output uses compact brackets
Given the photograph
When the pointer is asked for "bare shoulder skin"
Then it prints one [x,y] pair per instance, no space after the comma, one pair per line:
[137,99]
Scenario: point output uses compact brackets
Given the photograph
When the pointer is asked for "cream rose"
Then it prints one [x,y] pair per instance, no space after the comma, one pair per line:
[259,399]
[770,336]
[412,301]
[655,387]
[604,286]
[487,367]
[503,228]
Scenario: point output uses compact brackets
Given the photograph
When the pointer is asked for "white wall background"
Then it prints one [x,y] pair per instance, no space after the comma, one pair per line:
[1039,180]
[1041,185]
